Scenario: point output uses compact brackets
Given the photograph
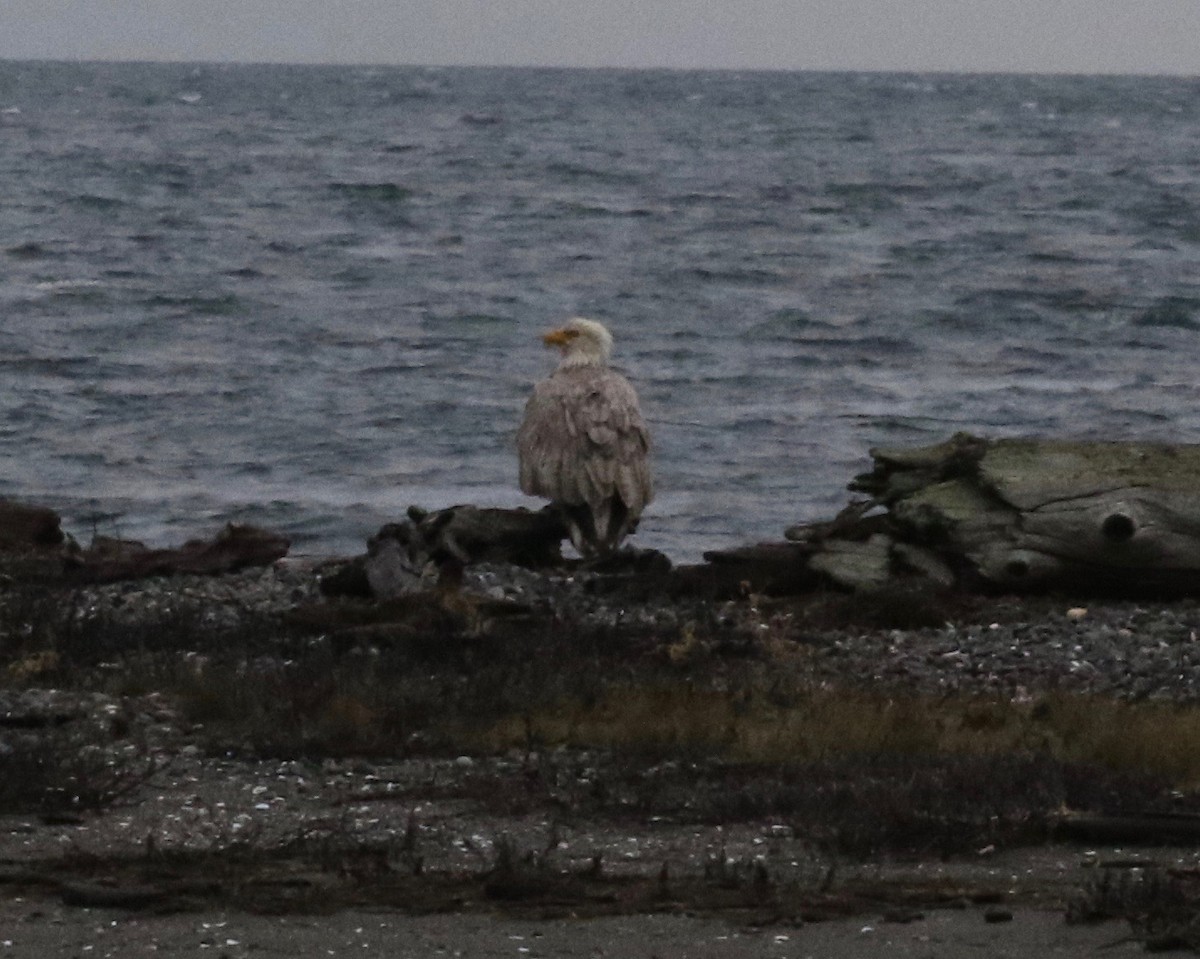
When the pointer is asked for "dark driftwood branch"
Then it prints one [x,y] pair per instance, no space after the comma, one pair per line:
[235,547]
[470,534]
[409,556]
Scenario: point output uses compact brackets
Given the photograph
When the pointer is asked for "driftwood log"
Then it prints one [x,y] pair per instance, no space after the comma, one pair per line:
[1015,515]
[1025,514]
[1104,518]
[471,534]
[1018,515]
[406,557]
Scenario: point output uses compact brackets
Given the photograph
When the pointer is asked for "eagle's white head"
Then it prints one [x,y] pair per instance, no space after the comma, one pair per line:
[582,342]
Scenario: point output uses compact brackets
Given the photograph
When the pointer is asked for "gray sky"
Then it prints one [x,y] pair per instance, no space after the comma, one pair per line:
[1078,36]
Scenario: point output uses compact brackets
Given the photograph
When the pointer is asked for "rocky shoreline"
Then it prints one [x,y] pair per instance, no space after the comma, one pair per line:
[1004,645]
[171,796]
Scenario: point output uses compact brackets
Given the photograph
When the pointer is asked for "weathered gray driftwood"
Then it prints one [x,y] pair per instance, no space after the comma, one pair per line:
[1027,514]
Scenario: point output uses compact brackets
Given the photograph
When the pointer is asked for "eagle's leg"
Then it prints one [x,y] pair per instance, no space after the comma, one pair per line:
[616,525]
[598,529]
[581,528]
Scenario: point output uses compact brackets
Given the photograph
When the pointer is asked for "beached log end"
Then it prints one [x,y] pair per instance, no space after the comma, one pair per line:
[1028,514]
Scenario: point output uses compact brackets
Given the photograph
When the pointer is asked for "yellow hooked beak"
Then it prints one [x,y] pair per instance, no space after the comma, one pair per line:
[559,337]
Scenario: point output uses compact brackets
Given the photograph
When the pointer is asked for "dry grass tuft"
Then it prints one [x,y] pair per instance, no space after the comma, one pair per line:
[1160,739]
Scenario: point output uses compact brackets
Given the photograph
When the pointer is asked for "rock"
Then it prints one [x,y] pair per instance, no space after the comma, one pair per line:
[389,568]
[346,579]
[24,528]
[774,569]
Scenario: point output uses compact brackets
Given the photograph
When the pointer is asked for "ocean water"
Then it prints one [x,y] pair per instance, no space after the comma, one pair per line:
[308,297]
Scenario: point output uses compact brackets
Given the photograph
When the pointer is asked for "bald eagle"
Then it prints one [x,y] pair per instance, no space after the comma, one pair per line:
[583,443]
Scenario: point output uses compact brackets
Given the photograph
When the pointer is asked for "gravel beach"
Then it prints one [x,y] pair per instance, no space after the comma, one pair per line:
[34,931]
[437,815]
[1005,645]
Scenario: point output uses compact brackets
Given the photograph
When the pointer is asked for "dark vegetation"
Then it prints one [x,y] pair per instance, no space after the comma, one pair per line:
[710,722]
[717,696]
[59,773]
[1161,904]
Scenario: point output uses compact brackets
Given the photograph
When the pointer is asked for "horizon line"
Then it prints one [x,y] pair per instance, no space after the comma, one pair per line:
[599,68]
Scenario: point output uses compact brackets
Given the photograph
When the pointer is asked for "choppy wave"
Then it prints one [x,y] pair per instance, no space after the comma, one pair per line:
[310,296]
